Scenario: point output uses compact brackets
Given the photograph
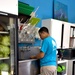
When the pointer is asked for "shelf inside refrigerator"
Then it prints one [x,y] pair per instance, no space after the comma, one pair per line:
[4,32]
[4,58]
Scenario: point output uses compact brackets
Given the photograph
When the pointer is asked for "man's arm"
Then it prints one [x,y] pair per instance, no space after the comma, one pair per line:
[38,56]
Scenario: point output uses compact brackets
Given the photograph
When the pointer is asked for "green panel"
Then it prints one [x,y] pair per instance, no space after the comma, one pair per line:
[24,11]
[34,21]
[20,4]
[24,8]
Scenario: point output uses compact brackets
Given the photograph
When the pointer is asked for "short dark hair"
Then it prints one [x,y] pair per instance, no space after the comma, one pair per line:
[43,29]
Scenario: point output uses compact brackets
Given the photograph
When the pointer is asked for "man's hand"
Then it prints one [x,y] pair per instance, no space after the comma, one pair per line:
[38,56]
[33,57]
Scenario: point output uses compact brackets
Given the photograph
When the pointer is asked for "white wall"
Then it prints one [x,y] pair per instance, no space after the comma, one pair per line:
[9,6]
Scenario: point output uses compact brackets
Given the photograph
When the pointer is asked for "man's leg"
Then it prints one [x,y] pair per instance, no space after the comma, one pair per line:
[48,70]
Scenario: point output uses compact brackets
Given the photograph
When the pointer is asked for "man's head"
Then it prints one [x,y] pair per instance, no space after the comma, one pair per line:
[43,32]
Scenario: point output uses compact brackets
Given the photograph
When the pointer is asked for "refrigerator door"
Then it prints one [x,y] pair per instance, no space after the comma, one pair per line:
[8,44]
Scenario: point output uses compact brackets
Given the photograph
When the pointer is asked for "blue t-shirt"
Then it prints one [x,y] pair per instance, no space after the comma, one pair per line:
[49,49]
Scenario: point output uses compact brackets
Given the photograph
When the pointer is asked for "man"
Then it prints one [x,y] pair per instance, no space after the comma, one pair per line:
[47,53]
